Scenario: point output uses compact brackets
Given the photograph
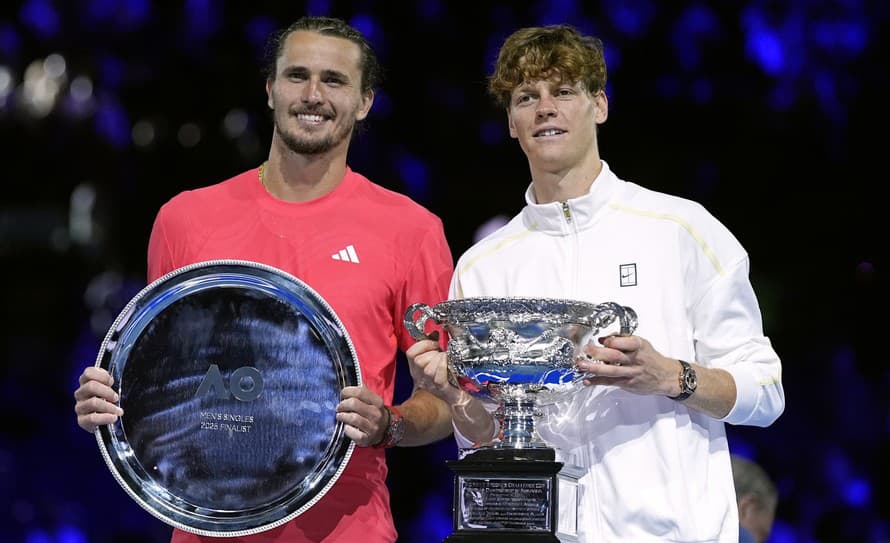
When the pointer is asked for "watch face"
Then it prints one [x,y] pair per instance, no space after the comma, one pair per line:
[689,379]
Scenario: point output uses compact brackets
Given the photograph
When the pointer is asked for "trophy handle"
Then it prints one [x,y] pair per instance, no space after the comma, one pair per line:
[416,327]
[606,313]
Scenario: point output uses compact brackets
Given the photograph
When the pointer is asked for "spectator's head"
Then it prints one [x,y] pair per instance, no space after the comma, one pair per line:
[757,497]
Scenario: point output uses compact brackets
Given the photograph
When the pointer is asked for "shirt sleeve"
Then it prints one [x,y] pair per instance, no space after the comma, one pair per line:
[163,251]
[159,258]
[427,281]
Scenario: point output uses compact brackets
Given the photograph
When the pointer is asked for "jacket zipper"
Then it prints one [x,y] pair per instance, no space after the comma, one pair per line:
[567,212]
[574,258]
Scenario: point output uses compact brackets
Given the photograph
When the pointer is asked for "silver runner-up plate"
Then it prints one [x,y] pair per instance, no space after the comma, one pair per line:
[229,374]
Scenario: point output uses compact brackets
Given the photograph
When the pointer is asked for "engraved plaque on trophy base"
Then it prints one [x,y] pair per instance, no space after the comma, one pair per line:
[514,495]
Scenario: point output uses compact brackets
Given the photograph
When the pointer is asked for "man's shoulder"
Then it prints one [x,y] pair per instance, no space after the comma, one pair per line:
[221,189]
[208,204]
[395,205]
[689,218]
[653,204]
[650,198]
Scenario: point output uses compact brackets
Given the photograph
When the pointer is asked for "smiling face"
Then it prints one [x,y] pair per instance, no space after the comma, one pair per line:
[555,123]
[316,94]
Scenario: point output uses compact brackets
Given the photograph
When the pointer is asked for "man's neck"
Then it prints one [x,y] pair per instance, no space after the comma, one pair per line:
[559,185]
[294,177]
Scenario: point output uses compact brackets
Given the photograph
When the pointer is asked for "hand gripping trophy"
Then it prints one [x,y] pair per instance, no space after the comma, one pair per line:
[519,353]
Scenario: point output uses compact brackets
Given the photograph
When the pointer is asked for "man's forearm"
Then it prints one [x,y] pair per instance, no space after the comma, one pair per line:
[427,419]
[471,418]
[716,392]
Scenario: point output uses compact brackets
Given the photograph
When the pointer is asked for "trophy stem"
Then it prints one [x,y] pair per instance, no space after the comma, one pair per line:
[519,415]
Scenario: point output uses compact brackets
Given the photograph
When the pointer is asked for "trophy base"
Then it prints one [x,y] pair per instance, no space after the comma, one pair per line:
[514,495]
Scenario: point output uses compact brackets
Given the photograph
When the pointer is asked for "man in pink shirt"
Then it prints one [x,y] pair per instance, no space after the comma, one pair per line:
[293,212]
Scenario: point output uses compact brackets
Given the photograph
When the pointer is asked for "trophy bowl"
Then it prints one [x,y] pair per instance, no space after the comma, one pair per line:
[518,352]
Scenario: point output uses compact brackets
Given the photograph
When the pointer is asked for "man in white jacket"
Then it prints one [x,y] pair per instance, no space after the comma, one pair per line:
[649,430]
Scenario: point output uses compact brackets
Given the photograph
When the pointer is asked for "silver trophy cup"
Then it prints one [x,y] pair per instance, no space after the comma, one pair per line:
[518,352]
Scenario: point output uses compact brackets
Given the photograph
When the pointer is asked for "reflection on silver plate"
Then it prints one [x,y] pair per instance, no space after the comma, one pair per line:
[229,373]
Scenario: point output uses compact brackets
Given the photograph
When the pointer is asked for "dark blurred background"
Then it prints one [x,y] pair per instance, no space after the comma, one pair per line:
[772,114]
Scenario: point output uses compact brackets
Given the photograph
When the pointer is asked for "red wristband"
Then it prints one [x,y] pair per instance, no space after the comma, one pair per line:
[395,429]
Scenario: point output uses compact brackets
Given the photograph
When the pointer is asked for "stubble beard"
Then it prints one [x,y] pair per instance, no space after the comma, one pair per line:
[311,146]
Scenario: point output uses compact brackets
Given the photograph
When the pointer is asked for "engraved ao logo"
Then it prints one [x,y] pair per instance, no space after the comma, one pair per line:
[245,384]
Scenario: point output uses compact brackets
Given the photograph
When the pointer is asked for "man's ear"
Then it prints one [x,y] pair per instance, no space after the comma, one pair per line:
[601,101]
[748,506]
[269,94]
[367,102]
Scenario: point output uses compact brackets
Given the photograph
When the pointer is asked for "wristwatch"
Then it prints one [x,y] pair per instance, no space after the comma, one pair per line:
[688,382]
[395,429]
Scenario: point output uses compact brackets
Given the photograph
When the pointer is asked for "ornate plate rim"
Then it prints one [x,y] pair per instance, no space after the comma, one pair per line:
[103,433]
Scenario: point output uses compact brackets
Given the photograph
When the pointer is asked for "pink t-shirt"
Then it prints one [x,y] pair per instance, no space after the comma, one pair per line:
[370,253]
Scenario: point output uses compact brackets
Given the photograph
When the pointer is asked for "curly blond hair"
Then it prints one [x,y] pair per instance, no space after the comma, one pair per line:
[547,52]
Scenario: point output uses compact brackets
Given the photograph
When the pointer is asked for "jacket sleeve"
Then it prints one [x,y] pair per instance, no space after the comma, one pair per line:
[728,334]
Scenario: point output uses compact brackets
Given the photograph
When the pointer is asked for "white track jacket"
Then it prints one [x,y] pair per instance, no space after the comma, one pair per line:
[656,470]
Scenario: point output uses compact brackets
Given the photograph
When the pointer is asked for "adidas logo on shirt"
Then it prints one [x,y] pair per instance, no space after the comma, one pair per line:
[348,254]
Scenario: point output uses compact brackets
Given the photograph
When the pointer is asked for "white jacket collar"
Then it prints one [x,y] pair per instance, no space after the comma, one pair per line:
[551,218]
